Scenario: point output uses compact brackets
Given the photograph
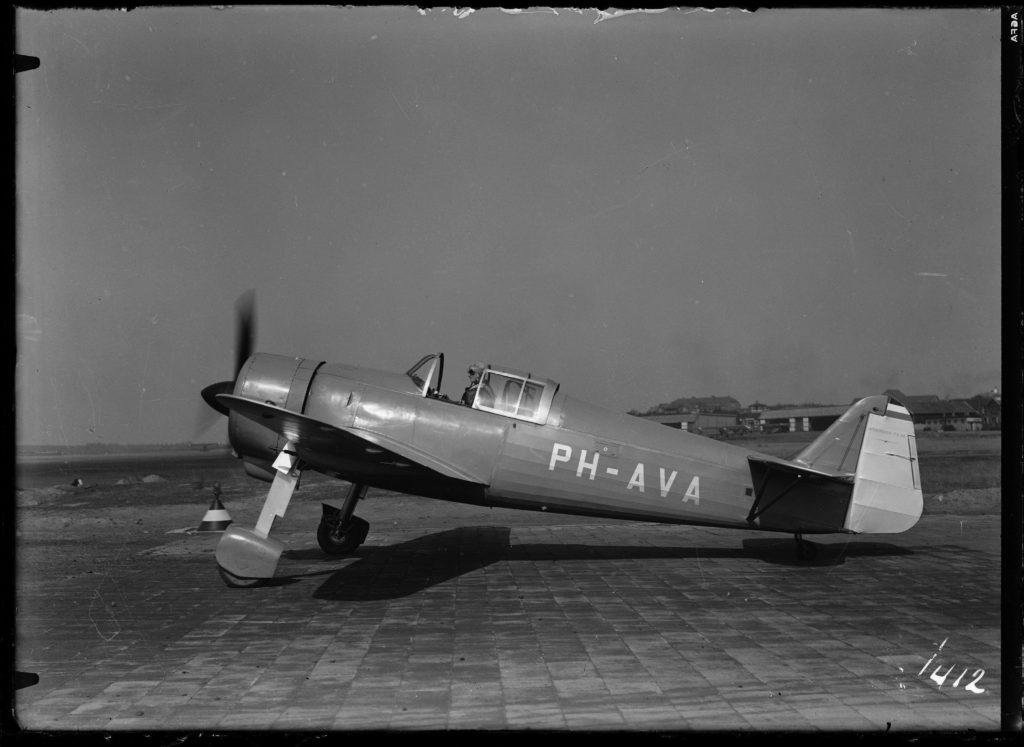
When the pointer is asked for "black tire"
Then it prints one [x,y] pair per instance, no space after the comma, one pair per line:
[238,582]
[343,540]
[806,550]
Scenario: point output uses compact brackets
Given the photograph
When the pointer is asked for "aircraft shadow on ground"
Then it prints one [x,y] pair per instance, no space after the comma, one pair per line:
[377,573]
[783,551]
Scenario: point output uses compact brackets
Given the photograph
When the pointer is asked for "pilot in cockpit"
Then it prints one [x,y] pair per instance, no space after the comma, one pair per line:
[475,371]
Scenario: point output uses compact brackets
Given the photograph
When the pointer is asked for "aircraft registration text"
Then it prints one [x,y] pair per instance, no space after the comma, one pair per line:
[588,466]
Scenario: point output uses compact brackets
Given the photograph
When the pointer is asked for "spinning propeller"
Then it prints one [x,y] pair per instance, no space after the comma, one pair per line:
[245,340]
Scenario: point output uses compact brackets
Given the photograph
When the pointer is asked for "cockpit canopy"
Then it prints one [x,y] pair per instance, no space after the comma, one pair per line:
[514,393]
[504,391]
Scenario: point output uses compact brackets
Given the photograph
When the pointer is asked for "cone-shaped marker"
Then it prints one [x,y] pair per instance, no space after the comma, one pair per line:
[217,517]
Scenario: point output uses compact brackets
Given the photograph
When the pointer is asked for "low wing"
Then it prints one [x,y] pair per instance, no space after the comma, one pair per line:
[309,434]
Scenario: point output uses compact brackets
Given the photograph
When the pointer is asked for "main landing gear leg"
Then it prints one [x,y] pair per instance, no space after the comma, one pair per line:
[805,550]
[248,557]
[339,532]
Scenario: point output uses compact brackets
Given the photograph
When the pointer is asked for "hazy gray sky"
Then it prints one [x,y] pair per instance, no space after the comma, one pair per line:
[787,205]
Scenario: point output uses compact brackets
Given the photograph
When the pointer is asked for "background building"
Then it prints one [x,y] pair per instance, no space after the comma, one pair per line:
[705,423]
[990,406]
[694,404]
[725,417]
[801,418]
[708,416]
[933,414]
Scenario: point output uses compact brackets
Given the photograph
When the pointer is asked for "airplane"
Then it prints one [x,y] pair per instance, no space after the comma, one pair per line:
[525,443]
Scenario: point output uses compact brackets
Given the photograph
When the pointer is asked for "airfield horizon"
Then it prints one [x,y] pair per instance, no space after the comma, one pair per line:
[754,441]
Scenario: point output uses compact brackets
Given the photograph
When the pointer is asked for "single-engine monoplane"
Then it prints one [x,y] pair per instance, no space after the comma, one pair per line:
[528,444]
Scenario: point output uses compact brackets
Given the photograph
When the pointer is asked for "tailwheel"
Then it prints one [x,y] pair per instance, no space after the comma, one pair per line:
[805,550]
[341,538]
[238,582]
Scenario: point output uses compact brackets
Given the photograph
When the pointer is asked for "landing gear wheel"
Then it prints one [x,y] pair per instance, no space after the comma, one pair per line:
[342,539]
[238,582]
[805,550]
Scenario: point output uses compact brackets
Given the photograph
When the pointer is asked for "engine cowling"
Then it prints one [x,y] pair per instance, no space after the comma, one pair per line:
[278,380]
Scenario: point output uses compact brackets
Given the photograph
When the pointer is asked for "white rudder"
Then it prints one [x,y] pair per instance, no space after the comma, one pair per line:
[887,482]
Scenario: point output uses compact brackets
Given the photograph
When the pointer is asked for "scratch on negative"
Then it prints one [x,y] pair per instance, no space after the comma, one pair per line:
[842,552]
[399,103]
[78,41]
[675,152]
[608,209]
[95,596]
[888,204]
[703,580]
[896,212]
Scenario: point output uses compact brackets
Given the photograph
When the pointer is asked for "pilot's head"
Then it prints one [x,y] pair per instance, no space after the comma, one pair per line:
[475,370]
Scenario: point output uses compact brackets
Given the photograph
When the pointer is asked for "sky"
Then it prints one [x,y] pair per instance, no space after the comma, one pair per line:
[780,206]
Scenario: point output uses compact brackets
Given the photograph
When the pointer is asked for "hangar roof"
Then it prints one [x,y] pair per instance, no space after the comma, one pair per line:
[942,407]
[680,417]
[819,411]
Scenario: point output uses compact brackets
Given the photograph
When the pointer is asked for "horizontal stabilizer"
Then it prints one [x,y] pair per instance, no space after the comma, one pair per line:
[801,471]
[309,434]
[794,498]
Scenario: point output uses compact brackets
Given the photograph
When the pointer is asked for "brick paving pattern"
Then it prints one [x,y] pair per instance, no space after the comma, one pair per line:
[454,617]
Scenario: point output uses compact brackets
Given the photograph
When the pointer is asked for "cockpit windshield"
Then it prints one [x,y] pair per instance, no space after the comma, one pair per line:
[422,373]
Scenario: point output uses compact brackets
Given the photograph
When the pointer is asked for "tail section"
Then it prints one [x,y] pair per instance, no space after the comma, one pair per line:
[874,442]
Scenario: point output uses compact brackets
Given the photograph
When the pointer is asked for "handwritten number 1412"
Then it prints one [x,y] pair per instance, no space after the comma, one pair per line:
[940,679]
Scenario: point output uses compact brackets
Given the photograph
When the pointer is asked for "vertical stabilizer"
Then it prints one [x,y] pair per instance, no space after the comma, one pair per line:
[874,443]
[887,485]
